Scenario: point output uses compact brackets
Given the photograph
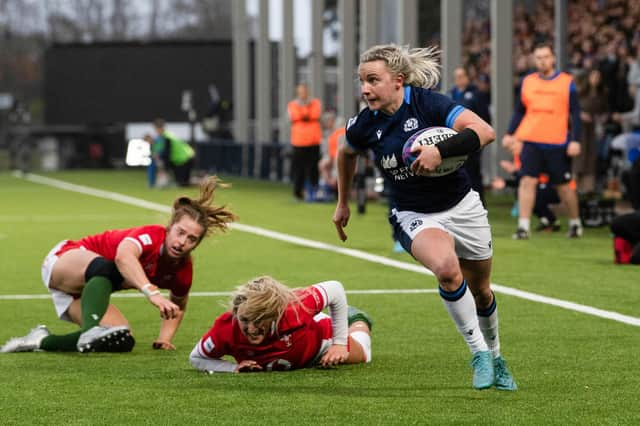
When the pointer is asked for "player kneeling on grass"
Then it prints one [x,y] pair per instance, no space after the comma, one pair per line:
[81,275]
[271,327]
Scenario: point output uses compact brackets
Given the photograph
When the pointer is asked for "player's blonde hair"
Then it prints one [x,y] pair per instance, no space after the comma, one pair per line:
[419,66]
[263,299]
[202,210]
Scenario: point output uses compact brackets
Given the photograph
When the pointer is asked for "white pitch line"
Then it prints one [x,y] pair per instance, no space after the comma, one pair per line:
[133,295]
[589,310]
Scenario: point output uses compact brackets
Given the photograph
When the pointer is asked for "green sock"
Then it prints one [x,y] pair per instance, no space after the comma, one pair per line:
[64,343]
[94,301]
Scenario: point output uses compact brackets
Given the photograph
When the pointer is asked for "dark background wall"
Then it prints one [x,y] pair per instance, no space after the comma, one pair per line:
[128,82]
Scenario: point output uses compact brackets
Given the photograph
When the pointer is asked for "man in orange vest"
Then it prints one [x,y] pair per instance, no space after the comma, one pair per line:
[306,137]
[547,120]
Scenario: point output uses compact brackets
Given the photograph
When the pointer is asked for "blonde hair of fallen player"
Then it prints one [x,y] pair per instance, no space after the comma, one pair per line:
[259,305]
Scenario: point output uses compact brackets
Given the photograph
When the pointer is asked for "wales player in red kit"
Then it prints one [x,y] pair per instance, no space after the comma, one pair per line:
[271,327]
[82,274]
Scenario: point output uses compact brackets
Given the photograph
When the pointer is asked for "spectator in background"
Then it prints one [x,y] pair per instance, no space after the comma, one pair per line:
[327,166]
[626,238]
[593,104]
[467,94]
[306,138]
[175,153]
[547,111]
[156,174]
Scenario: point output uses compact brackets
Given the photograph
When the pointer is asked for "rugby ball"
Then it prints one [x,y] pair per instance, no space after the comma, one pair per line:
[432,136]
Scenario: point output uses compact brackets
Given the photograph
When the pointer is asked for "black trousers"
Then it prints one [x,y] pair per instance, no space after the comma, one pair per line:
[182,173]
[304,167]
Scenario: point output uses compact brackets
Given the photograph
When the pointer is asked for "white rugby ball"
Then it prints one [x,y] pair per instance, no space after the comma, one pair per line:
[432,136]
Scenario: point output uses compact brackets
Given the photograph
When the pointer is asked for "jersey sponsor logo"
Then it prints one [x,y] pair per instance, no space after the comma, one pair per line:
[389,162]
[414,225]
[378,133]
[208,344]
[351,121]
[145,239]
[410,124]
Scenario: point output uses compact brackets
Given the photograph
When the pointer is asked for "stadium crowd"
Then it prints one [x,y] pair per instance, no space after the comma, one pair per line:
[604,58]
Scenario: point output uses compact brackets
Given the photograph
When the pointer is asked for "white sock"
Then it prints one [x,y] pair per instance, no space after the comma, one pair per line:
[364,339]
[523,223]
[489,327]
[462,310]
[575,221]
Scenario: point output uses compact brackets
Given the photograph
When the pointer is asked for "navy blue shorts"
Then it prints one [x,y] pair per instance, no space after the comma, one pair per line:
[550,160]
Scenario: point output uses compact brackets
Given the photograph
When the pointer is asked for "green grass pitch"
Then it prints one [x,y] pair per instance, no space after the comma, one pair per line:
[572,368]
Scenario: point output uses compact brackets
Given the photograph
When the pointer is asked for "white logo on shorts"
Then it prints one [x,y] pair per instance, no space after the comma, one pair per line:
[414,225]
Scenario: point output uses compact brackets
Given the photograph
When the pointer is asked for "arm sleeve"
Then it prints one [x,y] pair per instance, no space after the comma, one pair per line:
[206,364]
[574,113]
[518,114]
[295,111]
[315,110]
[336,299]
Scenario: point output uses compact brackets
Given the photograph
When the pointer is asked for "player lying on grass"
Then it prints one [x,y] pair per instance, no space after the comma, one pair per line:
[81,275]
[270,327]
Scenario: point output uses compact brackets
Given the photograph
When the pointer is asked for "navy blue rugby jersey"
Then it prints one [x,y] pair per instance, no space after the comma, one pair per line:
[385,135]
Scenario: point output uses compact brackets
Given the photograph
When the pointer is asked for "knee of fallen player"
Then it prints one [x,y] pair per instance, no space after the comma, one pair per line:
[360,345]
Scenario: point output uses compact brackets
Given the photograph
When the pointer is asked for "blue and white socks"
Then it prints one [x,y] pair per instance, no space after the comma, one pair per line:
[462,309]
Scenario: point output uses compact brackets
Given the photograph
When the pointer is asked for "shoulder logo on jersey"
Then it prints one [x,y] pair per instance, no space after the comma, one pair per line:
[389,162]
[145,239]
[351,121]
[410,124]
[208,344]
[378,133]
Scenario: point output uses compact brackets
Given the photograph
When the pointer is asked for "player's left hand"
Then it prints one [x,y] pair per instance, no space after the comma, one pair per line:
[427,161]
[573,149]
[336,354]
[165,346]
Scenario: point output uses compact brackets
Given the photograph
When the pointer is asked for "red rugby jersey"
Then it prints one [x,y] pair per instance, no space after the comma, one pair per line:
[295,344]
[150,241]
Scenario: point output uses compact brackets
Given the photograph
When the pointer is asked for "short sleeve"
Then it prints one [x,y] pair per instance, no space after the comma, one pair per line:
[442,109]
[147,238]
[214,342]
[313,299]
[353,136]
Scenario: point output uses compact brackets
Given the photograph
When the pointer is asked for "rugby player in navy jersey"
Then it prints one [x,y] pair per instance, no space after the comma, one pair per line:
[439,220]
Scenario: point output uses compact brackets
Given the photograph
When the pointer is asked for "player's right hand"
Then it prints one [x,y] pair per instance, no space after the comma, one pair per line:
[247,366]
[341,220]
[168,309]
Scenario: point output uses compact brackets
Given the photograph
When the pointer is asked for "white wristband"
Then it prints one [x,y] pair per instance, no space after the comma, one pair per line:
[149,290]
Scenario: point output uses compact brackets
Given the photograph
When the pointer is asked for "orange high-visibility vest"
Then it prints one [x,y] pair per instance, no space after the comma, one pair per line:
[305,123]
[546,119]
[333,141]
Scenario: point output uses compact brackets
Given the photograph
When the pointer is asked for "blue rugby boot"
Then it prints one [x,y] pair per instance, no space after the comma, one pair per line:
[504,379]
[483,374]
